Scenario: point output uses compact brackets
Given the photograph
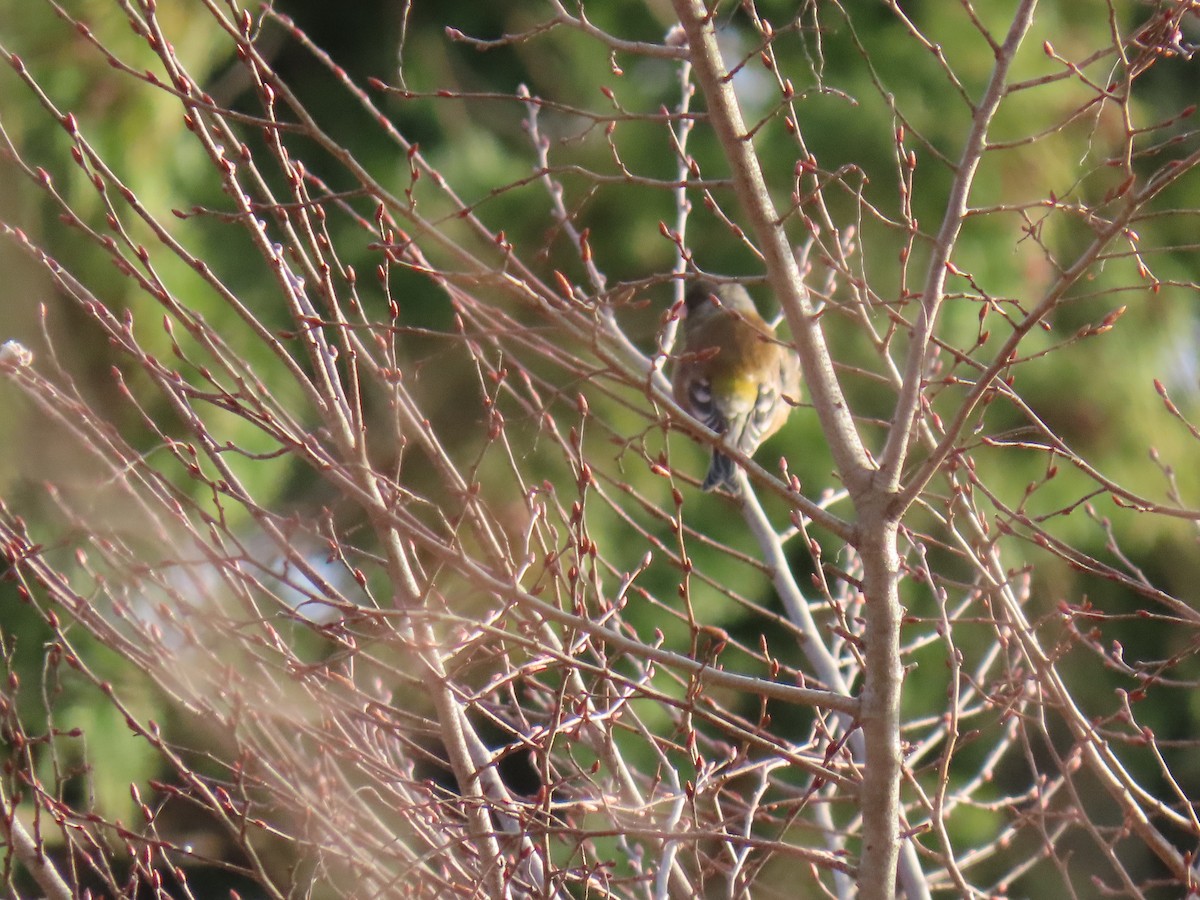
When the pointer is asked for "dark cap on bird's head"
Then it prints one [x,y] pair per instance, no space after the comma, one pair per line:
[731,295]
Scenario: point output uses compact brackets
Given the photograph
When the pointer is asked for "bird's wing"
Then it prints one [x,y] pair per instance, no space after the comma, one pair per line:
[700,402]
[760,422]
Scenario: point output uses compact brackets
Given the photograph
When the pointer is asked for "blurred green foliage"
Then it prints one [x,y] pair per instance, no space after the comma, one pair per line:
[857,82]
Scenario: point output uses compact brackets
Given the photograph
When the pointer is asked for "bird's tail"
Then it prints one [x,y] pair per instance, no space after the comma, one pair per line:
[721,473]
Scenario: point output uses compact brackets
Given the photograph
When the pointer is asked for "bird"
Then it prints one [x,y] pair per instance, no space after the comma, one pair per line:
[733,375]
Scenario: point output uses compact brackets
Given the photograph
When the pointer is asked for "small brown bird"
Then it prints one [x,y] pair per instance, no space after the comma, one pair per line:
[733,374]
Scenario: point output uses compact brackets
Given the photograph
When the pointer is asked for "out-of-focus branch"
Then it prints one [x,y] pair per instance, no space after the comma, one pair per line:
[32,854]
[364,480]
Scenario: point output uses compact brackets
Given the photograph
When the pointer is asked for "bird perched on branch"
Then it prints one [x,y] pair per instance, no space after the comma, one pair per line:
[733,375]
